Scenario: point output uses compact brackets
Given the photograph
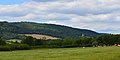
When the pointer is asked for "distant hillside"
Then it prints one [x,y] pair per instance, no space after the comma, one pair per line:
[9,30]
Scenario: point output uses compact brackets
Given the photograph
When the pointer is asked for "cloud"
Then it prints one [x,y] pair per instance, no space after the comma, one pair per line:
[99,15]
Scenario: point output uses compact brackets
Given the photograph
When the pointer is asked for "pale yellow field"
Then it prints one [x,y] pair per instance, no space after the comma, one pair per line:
[38,36]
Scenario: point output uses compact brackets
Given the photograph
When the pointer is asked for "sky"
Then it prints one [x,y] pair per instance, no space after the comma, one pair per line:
[102,16]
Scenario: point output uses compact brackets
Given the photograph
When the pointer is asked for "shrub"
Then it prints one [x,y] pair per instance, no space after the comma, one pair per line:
[2,42]
[5,48]
[32,41]
[14,47]
[19,47]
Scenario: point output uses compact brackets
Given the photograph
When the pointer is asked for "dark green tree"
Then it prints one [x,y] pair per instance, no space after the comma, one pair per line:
[2,42]
[29,40]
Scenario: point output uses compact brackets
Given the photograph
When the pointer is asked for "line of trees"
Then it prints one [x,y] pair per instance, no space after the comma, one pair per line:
[28,42]
[104,40]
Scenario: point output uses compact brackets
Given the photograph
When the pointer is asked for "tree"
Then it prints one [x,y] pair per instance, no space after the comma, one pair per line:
[29,40]
[2,42]
[32,41]
[38,42]
[57,43]
[95,43]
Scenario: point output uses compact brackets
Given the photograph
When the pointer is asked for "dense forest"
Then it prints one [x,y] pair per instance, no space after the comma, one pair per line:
[10,30]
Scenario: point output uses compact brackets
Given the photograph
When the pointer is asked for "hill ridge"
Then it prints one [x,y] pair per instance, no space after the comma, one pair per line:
[54,30]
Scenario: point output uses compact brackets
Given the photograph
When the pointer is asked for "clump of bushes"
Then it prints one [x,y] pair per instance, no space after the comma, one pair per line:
[19,47]
[14,47]
[5,48]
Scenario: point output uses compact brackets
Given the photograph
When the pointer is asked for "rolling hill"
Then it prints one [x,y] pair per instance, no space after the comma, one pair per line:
[10,30]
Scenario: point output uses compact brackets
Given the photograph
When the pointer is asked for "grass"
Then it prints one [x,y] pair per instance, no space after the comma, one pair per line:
[13,40]
[102,53]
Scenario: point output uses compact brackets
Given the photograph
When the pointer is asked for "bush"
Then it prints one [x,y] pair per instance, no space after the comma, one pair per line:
[2,42]
[15,47]
[5,48]
[32,41]
[19,47]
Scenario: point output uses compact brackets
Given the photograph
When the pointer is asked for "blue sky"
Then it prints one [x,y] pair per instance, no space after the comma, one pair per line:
[10,2]
[99,15]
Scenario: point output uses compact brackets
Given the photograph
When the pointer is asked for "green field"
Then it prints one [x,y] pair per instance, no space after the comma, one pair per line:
[14,40]
[101,53]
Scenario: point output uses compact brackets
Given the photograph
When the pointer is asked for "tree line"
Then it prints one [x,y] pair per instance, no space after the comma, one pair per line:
[30,42]
[104,40]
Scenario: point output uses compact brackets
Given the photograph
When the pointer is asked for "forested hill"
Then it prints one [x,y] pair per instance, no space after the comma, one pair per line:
[11,29]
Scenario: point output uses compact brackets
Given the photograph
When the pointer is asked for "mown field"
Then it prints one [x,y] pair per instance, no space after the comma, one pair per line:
[101,53]
[38,36]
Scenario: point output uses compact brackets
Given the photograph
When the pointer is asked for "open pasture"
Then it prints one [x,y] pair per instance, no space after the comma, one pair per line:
[101,53]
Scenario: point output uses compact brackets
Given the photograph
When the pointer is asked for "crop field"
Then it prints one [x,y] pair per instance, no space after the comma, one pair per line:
[38,36]
[101,53]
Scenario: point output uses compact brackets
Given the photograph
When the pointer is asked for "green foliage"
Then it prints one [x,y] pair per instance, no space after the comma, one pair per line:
[19,47]
[5,48]
[54,43]
[108,39]
[14,47]
[29,40]
[70,42]
[38,42]
[105,40]
[11,30]
[32,41]
[95,43]
[2,42]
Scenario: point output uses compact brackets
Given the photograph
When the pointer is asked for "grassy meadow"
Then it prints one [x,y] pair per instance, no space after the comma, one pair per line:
[101,53]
